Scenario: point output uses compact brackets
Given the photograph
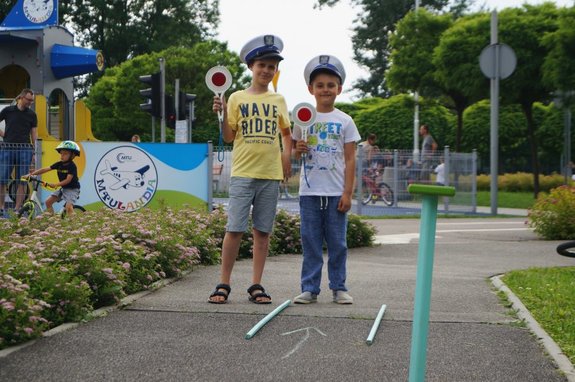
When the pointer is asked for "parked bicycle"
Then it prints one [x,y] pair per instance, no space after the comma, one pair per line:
[566,249]
[32,207]
[374,190]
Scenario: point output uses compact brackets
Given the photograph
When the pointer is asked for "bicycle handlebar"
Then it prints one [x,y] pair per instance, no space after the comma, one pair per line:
[34,178]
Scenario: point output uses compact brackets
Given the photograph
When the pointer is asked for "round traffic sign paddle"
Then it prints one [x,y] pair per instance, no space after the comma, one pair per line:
[303,115]
[218,79]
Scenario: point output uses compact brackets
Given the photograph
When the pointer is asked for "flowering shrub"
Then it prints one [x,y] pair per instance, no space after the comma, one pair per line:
[20,314]
[520,182]
[553,215]
[359,234]
[285,237]
[58,270]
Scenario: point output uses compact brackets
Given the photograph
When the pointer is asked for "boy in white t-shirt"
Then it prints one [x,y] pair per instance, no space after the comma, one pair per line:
[440,171]
[326,194]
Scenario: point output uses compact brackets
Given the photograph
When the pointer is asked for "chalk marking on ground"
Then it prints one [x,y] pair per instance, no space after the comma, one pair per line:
[303,340]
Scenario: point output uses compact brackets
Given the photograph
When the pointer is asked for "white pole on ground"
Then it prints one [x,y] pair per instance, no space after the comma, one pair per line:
[266,319]
[375,326]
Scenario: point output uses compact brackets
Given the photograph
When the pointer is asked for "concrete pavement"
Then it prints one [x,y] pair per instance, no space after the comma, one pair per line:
[172,334]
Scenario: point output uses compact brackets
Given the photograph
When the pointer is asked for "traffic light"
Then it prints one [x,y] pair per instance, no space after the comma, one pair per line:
[183,101]
[170,111]
[152,93]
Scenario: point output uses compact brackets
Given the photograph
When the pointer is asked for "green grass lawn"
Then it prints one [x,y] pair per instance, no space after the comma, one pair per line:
[549,294]
[505,199]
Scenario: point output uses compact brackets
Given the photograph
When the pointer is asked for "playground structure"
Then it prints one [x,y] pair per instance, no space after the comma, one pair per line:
[37,53]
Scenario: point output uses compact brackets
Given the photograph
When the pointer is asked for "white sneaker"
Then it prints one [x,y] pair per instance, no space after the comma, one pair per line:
[305,298]
[342,297]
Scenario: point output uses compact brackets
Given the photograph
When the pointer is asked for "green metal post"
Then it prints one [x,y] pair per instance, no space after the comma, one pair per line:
[424,276]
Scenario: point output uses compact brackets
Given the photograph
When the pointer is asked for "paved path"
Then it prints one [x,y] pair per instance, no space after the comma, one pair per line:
[174,335]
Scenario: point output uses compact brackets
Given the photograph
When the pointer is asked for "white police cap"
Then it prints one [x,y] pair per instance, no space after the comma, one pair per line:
[266,46]
[324,62]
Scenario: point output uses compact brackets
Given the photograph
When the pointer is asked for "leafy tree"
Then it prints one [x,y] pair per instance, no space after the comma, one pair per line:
[550,136]
[375,22]
[559,64]
[391,120]
[5,6]
[127,28]
[124,28]
[114,99]
[456,65]
[523,29]
[412,45]
[513,145]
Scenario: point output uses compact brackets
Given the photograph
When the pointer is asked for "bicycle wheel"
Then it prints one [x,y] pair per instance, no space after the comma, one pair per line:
[13,190]
[76,207]
[566,249]
[29,210]
[386,194]
[365,193]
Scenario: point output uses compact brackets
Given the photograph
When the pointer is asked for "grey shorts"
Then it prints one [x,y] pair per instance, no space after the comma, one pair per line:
[68,195]
[259,195]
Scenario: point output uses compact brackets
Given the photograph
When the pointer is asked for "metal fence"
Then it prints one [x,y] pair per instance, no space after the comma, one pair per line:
[16,160]
[389,170]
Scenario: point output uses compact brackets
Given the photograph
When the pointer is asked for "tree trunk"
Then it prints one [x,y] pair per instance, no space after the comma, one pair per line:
[528,111]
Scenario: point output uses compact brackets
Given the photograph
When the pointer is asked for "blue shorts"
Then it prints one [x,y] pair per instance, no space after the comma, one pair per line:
[245,193]
[17,159]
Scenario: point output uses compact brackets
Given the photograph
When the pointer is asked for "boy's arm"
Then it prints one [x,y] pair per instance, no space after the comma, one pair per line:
[38,172]
[349,177]
[220,104]
[68,179]
[286,153]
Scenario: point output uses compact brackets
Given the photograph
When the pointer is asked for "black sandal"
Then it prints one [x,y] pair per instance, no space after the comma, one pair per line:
[218,292]
[261,294]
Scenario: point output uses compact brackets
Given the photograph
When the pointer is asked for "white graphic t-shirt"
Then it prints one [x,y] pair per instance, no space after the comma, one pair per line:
[325,161]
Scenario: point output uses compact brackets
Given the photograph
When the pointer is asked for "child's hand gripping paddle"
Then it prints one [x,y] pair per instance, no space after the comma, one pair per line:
[304,115]
[219,80]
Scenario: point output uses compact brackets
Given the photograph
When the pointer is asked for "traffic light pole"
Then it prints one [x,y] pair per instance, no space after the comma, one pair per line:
[162,98]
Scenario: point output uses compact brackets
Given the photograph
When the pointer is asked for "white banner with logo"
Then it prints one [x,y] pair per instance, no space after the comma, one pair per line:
[130,176]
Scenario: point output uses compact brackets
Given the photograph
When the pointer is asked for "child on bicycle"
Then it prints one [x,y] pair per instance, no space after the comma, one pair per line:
[326,198]
[67,172]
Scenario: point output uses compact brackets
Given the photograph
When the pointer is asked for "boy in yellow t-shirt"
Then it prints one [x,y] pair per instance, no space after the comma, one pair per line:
[254,120]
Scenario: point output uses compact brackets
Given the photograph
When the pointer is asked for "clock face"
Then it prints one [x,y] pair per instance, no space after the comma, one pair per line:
[38,11]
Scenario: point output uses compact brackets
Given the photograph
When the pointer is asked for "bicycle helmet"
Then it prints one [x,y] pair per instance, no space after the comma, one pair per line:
[69,145]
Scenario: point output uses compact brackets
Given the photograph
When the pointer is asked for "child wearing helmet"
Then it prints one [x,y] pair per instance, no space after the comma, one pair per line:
[67,172]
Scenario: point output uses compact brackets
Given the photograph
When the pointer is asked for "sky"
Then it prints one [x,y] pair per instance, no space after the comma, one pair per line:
[307,32]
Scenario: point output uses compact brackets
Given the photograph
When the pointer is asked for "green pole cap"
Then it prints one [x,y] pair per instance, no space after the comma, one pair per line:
[426,189]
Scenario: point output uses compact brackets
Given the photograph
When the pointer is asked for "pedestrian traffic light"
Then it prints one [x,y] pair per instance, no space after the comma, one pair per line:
[170,111]
[183,101]
[153,105]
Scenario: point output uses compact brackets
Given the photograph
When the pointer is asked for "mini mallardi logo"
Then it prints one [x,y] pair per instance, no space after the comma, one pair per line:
[126,179]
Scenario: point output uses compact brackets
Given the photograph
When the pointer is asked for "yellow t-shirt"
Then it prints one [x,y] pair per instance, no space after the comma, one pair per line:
[257,120]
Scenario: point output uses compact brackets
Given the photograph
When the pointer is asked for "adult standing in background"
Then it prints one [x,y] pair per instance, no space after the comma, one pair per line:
[428,147]
[368,150]
[17,149]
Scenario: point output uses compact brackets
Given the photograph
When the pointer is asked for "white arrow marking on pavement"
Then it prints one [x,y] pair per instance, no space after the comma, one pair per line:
[405,238]
[304,339]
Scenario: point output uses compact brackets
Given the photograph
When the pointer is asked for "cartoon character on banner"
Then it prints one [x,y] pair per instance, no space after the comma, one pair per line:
[219,80]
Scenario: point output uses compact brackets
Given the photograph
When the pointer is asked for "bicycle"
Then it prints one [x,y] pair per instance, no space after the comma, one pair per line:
[566,249]
[32,207]
[373,191]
